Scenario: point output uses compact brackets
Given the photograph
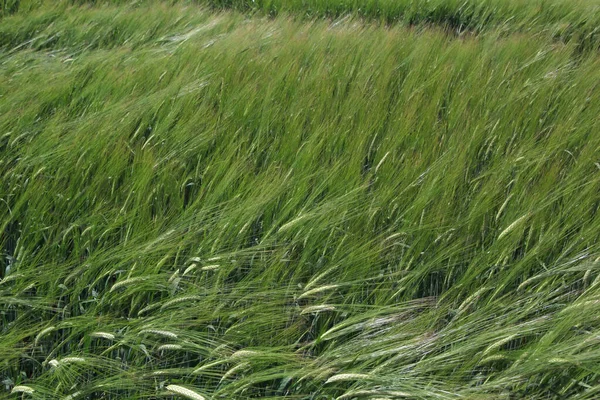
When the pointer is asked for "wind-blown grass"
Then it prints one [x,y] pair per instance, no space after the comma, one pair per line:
[213,204]
[561,20]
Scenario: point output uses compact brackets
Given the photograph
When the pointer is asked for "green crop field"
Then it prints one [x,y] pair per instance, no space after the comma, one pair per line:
[303,199]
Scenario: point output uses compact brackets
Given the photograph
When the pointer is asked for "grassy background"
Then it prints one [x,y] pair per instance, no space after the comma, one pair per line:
[561,20]
[255,206]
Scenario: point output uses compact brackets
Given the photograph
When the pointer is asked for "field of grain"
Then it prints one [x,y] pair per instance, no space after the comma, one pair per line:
[333,199]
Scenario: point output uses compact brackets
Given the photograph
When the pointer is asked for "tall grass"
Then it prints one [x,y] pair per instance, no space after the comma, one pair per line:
[561,20]
[211,205]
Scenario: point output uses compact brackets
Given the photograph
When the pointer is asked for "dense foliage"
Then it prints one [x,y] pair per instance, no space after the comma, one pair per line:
[303,200]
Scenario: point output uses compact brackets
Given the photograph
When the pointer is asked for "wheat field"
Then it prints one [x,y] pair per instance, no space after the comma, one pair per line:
[333,199]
